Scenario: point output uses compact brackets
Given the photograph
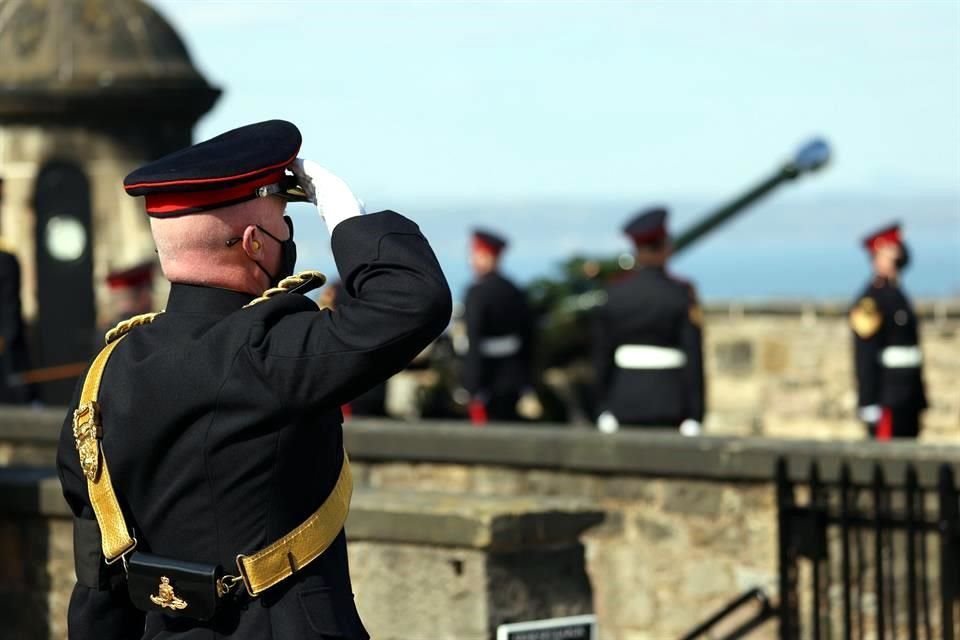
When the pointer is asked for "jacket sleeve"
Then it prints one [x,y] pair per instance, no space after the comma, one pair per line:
[99,605]
[602,354]
[692,345]
[396,301]
[473,363]
[866,322]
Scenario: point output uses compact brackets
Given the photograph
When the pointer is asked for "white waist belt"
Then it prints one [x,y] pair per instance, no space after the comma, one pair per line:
[901,357]
[645,356]
[501,346]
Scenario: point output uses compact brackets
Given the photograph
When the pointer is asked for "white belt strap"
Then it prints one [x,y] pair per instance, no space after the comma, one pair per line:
[501,346]
[645,356]
[901,357]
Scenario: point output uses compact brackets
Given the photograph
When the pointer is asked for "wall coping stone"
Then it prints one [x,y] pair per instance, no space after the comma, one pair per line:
[634,452]
[936,309]
[26,424]
[639,452]
[490,523]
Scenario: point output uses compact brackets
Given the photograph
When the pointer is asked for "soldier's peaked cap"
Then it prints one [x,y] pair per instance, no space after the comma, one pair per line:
[489,241]
[648,226]
[890,234]
[233,167]
[136,276]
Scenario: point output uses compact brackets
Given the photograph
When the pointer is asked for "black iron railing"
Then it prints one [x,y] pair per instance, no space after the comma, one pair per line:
[872,558]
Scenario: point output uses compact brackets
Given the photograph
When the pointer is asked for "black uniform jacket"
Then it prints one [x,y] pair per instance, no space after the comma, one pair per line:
[13,351]
[650,308]
[222,430]
[497,315]
[883,317]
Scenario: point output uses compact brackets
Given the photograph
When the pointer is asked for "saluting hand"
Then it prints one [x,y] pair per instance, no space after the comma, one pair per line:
[333,198]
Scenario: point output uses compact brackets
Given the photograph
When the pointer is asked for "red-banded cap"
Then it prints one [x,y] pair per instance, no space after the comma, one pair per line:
[648,226]
[139,275]
[489,241]
[233,167]
[888,235]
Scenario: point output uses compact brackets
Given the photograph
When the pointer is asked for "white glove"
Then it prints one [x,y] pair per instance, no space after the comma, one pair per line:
[870,413]
[333,197]
[690,428]
[608,423]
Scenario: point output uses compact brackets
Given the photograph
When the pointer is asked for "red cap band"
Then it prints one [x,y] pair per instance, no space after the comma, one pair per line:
[649,237]
[174,203]
[479,244]
[136,277]
[888,236]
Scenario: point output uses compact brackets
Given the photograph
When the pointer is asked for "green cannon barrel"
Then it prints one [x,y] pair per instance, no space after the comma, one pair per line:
[811,157]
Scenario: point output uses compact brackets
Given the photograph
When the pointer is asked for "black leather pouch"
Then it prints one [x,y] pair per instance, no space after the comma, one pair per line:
[173,587]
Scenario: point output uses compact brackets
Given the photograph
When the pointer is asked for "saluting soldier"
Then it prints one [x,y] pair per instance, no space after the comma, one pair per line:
[647,340]
[886,335]
[220,418]
[496,371]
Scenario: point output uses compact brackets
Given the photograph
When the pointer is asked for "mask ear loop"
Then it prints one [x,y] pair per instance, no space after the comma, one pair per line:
[256,246]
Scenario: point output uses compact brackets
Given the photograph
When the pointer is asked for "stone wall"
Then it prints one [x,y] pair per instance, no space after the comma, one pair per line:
[787,371]
[689,523]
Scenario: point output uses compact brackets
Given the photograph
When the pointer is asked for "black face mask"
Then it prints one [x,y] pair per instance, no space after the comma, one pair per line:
[903,260]
[288,253]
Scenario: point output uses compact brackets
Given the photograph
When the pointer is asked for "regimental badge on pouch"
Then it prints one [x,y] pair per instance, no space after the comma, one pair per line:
[865,318]
[166,598]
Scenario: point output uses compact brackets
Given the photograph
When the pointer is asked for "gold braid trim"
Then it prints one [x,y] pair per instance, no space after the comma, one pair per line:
[124,327]
[312,278]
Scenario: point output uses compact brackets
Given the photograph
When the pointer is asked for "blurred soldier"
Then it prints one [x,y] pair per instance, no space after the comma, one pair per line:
[13,350]
[131,292]
[647,341]
[886,336]
[13,344]
[205,460]
[497,367]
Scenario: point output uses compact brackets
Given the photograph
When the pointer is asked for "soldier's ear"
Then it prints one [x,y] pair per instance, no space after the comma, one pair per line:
[251,242]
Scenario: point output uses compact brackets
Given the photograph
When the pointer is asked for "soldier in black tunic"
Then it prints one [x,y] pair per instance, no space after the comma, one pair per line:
[13,349]
[647,340]
[499,327]
[221,421]
[886,336]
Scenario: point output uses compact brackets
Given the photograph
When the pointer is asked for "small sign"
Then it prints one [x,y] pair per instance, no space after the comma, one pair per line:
[570,628]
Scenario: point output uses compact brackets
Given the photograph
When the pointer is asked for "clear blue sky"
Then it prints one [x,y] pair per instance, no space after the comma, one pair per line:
[553,120]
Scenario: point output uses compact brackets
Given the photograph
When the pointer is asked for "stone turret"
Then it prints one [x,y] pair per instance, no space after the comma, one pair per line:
[89,89]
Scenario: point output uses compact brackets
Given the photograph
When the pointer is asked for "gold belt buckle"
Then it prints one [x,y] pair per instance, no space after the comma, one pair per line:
[86,435]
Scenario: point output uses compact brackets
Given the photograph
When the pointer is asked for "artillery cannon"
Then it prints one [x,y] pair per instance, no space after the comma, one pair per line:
[563,303]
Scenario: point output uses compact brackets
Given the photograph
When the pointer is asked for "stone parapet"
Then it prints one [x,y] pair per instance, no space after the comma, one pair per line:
[690,522]
[424,565]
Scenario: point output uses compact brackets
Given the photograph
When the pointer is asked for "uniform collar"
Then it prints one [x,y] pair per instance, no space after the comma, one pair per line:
[189,298]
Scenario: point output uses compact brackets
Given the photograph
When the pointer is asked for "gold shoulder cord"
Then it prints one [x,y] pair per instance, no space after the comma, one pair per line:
[258,571]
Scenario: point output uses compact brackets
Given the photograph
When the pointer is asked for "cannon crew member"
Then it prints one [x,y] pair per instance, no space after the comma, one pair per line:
[886,337]
[647,342]
[220,419]
[497,367]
